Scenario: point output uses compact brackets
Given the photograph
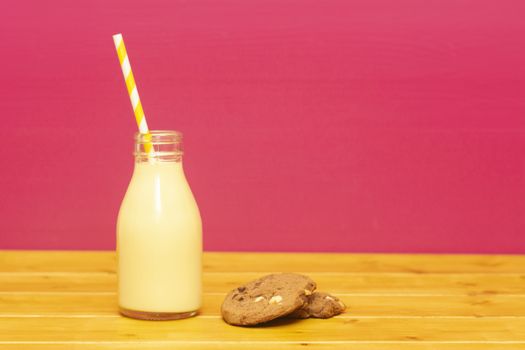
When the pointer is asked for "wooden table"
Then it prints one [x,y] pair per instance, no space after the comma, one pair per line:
[65,300]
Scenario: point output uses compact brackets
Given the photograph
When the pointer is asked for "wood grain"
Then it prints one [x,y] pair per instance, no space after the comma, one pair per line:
[225,345]
[311,330]
[62,300]
[355,283]
[104,261]
[105,305]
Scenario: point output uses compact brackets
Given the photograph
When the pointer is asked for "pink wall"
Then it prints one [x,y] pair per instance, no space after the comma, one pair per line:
[371,125]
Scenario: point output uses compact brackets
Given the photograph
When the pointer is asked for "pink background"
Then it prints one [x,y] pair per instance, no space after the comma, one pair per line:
[370,125]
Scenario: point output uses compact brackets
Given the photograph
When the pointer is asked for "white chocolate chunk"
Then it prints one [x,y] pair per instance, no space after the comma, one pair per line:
[259,298]
[307,292]
[275,299]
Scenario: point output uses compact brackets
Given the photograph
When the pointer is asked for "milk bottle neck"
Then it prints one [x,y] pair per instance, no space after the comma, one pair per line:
[164,146]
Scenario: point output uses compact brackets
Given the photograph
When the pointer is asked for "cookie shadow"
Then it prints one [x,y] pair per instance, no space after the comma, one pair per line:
[278,322]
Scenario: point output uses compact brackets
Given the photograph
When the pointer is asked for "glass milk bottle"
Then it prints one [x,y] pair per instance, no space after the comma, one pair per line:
[159,234]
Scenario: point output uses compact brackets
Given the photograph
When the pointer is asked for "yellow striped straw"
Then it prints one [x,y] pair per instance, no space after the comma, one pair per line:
[132,88]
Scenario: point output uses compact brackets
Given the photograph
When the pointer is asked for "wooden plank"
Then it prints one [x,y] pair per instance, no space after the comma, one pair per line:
[355,283]
[80,305]
[170,345]
[57,261]
[311,330]
[104,261]
[330,262]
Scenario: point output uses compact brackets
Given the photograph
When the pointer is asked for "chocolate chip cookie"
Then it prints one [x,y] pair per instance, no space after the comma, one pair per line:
[266,298]
[320,305]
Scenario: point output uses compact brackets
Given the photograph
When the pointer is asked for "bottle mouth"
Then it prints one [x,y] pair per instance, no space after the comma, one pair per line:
[158,145]
[158,137]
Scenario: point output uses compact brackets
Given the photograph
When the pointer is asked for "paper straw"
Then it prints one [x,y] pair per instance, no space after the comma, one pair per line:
[132,88]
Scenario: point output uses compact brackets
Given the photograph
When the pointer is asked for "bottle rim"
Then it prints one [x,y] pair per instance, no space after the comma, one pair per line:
[158,137]
[158,145]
